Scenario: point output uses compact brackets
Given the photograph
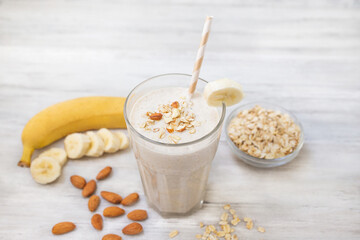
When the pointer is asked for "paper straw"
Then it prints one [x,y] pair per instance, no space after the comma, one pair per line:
[200,55]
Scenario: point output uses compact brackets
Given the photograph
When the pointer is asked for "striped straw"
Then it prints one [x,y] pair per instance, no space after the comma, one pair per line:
[200,55]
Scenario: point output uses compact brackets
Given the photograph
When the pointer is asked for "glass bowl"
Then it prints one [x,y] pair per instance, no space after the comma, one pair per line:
[260,162]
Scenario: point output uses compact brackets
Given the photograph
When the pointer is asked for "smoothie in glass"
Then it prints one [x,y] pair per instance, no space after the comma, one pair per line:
[174,140]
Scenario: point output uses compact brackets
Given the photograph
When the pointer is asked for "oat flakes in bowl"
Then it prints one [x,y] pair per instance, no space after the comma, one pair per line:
[264,135]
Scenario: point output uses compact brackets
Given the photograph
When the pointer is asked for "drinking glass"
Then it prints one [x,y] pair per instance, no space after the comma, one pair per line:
[174,176]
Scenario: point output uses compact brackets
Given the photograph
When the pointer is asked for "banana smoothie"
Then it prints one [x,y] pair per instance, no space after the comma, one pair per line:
[174,141]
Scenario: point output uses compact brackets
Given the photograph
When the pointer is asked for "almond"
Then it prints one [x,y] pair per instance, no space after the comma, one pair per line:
[175,104]
[93,203]
[132,229]
[104,173]
[111,237]
[156,116]
[97,221]
[113,212]
[111,197]
[137,215]
[78,181]
[169,129]
[130,200]
[63,227]
[89,188]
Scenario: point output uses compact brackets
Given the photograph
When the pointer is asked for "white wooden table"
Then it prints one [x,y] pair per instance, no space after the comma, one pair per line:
[303,55]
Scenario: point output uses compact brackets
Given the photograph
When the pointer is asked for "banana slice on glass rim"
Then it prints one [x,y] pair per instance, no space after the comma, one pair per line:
[45,169]
[97,145]
[223,90]
[76,145]
[58,154]
[111,142]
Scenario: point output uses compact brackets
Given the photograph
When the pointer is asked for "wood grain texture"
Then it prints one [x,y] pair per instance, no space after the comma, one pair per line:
[303,55]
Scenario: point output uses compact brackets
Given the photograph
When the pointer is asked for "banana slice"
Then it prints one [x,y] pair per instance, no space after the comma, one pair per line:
[96,146]
[57,153]
[124,140]
[112,143]
[223,90]
[45,170]
[76,145]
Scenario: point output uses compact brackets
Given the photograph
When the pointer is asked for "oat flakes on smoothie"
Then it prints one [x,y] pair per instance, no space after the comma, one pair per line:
[177,118]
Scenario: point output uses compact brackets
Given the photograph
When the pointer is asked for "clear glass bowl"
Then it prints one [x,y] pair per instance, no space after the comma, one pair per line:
[260,162]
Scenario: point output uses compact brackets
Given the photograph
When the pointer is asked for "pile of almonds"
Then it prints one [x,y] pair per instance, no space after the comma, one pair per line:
[88,190]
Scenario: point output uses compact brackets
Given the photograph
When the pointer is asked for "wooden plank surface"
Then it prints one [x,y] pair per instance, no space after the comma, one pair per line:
[303,55]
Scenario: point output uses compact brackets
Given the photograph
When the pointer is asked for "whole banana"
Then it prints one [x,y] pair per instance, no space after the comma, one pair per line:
[76,115]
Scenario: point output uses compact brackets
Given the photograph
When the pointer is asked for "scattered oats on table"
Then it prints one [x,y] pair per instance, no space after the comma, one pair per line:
[173,233]
[198,236]
[224,230]
[264,133]
[227,207]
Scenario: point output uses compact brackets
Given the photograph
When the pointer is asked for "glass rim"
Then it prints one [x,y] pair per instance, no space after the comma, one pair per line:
[129,125]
